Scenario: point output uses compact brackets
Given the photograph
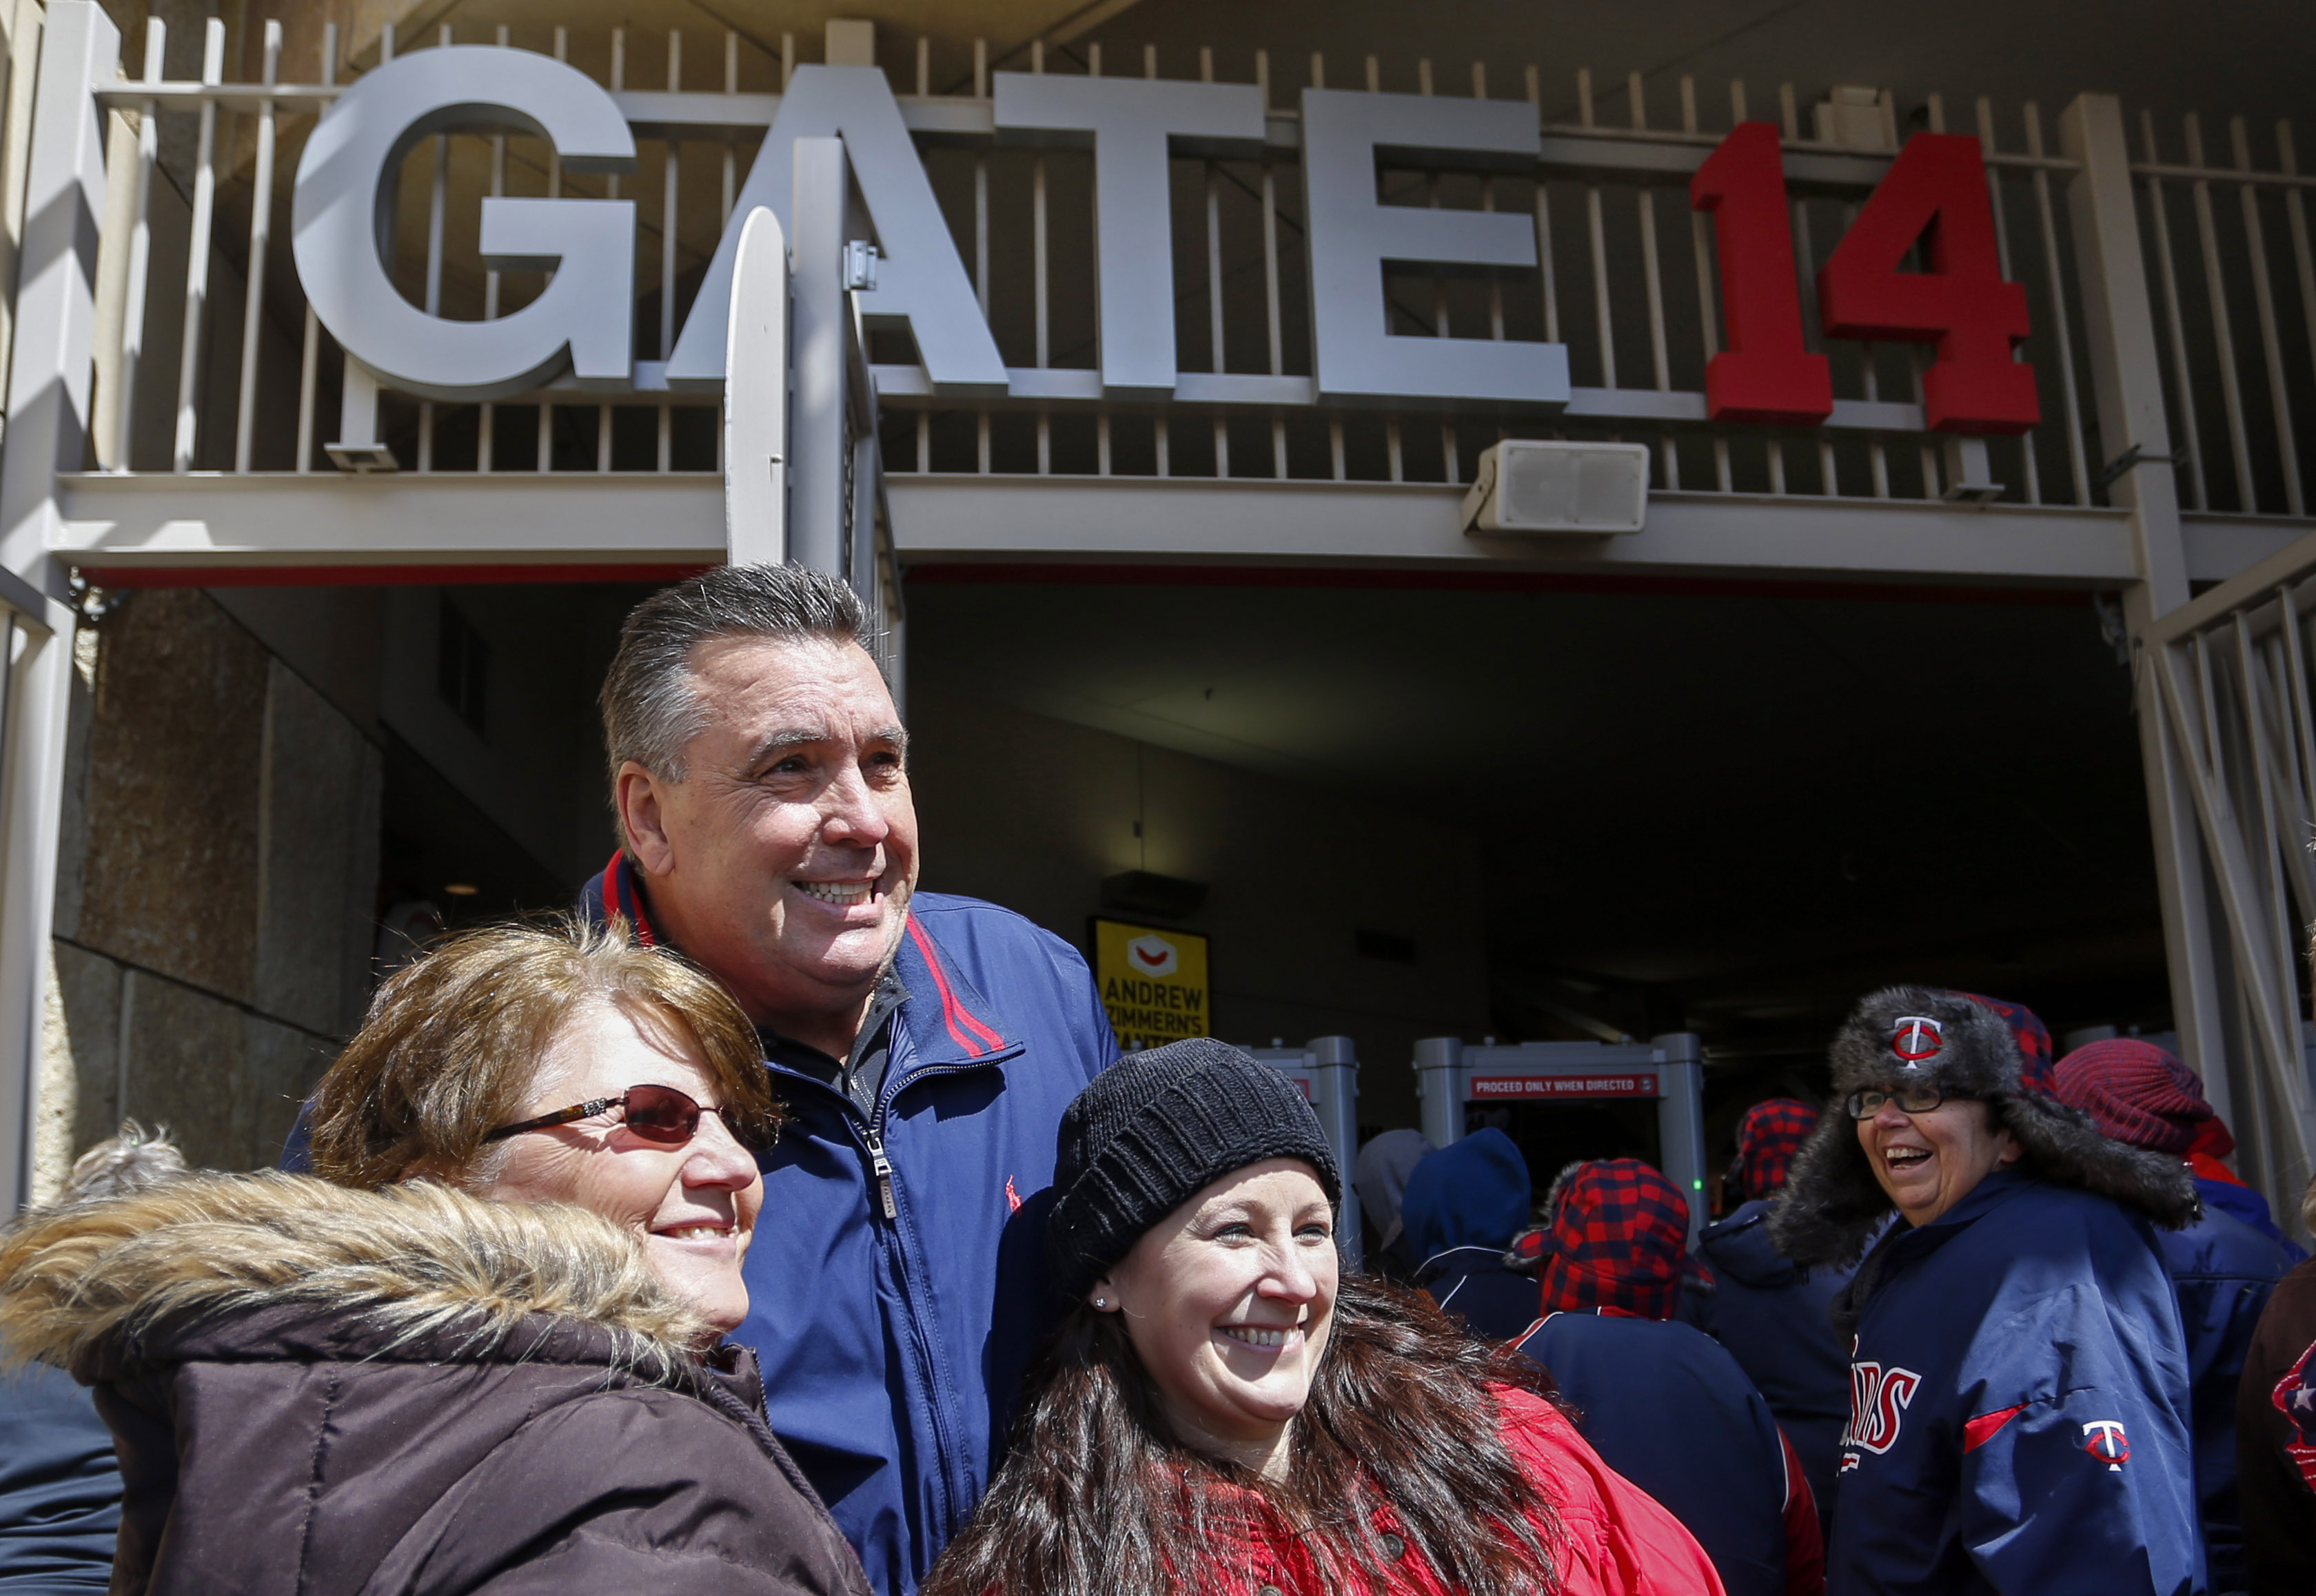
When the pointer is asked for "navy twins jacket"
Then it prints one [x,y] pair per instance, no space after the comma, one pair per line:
[2019,1417]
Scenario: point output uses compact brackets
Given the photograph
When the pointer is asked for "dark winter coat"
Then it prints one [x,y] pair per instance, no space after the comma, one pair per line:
[1673,1414]
[2225,1272]
[413,1391]
[59,1486]
[1774,1318]
[2020,1418]
[897,1300]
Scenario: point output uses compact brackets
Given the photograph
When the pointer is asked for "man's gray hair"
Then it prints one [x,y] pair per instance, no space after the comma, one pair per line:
[651,707]
[122,1164]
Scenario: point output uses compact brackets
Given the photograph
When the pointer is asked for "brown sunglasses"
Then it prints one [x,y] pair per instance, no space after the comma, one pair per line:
[659,1114]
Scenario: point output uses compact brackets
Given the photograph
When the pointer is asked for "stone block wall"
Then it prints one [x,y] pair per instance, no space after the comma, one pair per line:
[215,884]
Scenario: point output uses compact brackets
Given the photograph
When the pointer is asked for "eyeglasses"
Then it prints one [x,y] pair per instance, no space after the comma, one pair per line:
[659,1114]
[1912,1100]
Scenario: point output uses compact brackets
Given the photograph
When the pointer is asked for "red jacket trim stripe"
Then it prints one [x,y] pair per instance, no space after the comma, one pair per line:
[952,1011]
[1976,1432]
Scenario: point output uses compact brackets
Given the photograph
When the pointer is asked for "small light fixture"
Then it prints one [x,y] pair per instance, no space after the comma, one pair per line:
[1530,485]
[460,889]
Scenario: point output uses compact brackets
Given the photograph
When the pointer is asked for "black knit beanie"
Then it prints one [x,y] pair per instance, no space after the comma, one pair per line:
[1155,1129]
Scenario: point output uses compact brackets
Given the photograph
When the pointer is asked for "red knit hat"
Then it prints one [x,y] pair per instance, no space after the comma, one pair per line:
[2136,1093]
[1617,1238]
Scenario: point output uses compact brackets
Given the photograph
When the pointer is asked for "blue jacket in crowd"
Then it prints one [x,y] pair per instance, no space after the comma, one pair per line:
[1670,1411]
[59,1485]
[2225,1272]
[1462,1206]
[893,1341]
[2019,1417]
[1776,1319]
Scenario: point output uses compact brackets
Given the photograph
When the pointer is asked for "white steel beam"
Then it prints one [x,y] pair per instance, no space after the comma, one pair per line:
[118,523]
[816,433]
[756,395]
[2127,386]
[48,420]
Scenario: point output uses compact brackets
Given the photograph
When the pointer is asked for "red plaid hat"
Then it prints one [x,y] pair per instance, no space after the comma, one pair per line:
[1768,1138]
[2136,1093]
[2036,1073]
[1617,1236]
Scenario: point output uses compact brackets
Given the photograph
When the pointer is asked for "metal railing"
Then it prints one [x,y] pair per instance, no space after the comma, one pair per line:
[2234,381]
[2232,675]
[1637,306]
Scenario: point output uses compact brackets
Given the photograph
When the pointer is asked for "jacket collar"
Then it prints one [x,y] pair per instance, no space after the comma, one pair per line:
[947,1020]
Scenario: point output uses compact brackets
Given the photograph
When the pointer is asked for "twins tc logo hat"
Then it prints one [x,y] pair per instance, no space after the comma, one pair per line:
[1918,1040]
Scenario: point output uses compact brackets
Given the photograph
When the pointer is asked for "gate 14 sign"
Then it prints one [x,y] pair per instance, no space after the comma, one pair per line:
[1153,983]
[583,321]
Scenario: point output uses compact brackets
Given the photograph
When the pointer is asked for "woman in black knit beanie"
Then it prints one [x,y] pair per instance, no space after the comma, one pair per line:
[1224,1410]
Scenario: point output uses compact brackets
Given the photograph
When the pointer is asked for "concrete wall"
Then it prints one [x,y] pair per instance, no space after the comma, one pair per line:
[213,915]
[1033,813]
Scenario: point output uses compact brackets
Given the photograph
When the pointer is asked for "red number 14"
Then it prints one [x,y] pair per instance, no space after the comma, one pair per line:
[1935,193]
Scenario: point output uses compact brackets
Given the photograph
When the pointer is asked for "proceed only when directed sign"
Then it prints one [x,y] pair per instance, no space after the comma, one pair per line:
[1488,1087]
[1154,983]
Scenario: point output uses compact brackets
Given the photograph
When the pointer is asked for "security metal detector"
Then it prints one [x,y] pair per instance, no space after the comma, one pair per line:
[1458,1085]
[1327,1068]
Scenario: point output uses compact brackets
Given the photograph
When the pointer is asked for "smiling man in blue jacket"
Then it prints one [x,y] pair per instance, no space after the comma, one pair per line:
[2019,1378]
[925,1045]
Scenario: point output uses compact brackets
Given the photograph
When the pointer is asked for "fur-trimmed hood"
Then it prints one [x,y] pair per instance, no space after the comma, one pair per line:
[419,1271]
[1900,1036]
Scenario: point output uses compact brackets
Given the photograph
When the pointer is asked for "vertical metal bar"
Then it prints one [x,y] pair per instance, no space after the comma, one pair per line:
[731,86]
[1777,450]
[1543,224]
[925,66]
[2068,387]
[140,244]
[1100,443]
[260,232]
[309,354]
[611,190]
[1600,307]
[2222,331]
[2271,338]
[2304,714]
[197,253]
[554,190]
[669,190]
[486,425]
[1986,142]
[2296,218]
[1392,449]
[1700,240]
[437,216]
[925,441]
[1335,461]
[1270,268]
[1651,268]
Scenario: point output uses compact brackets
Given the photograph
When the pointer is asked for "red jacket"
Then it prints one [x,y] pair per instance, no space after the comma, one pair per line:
[1614,1540]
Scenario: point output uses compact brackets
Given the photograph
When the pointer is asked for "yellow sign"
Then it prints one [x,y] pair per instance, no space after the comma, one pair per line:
[1154,983]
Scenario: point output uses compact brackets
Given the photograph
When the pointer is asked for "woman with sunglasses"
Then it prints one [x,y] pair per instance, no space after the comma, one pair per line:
[485,1352]
[2018,1377]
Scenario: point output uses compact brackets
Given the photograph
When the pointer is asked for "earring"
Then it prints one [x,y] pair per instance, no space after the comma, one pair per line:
[1102,1302]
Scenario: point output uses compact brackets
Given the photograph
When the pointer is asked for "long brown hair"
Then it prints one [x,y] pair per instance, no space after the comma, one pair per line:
[1097,1494]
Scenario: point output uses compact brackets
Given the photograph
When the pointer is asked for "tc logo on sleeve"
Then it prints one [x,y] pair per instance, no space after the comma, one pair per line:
[2103,1439]
[1878,1404]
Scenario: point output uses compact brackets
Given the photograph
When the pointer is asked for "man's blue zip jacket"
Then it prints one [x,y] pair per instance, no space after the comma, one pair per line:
[1773,1315]
[2019,1416]
[2225,1272]
[894,1338]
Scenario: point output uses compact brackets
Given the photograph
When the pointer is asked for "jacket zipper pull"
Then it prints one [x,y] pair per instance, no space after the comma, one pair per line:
[884,1169]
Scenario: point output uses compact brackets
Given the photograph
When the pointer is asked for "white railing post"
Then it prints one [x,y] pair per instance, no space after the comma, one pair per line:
[756,397]
[50,370]
[817,494]
[2127,388]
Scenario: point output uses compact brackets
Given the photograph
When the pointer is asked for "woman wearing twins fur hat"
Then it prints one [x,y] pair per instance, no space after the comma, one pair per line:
[1224,1410]
[2019,1409]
